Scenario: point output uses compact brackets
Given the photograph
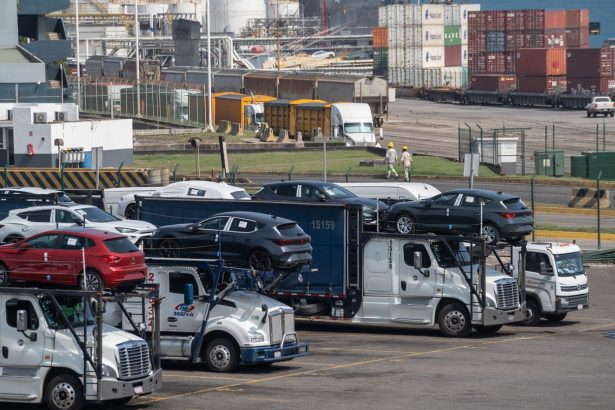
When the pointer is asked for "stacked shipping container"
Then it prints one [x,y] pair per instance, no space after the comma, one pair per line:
[427,44]
[497,38]
[380,38]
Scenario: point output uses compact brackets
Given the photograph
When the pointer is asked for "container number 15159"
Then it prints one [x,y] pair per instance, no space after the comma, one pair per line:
[323,225]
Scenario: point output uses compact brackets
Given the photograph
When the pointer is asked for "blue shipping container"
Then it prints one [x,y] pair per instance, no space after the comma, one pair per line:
[496,42]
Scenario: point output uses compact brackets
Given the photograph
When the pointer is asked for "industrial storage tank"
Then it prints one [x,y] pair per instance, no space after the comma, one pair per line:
[285,8]
[232,15]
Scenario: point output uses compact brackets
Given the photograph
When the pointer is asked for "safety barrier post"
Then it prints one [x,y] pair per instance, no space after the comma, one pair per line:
[348,174]
[290,171]
[598,206]
[62,176]
[175,172]
[119,175]
[6,174]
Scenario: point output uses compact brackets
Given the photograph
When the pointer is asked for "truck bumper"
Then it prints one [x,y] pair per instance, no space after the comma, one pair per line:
[571,303]
[117,389]
[492,316]
[272,354]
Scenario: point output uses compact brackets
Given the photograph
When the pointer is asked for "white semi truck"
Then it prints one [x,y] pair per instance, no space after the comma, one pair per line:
[556,282]
[221,320]
[354,123]
[56,350]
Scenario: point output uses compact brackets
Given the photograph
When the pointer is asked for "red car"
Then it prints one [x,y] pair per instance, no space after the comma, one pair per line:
[55,257]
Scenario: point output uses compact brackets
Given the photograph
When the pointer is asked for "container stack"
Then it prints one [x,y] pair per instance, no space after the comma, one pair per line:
[427,44]
[497,39]
[380,37]
[541,70]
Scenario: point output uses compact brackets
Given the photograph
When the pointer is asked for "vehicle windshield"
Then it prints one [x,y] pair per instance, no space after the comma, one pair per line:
[260,117]
[245,279]
[569,264]
[446,259]
[94,214]
[358,127]
[64,199]
[337,192]
[514,204]
[72,308]
[603,99]
[240,195]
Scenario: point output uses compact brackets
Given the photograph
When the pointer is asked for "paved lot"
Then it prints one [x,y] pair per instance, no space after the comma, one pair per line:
[568,366]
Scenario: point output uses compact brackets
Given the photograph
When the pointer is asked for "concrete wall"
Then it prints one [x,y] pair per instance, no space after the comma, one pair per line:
[22,73]
[8,24]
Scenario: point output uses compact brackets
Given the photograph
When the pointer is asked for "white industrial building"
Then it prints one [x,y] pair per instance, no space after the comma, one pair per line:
[30,134]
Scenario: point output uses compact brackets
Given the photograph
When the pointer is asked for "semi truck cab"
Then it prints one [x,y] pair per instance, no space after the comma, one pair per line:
[556,282]
[224,325]
[354,123]
[54,350]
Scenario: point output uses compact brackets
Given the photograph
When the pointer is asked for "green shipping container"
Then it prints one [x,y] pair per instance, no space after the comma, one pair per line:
[550,163]
[578,166]
[452,35]
[600,162]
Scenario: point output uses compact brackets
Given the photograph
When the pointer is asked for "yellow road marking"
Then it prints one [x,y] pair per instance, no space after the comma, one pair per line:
[362,350]
[192,376]
[573,235]
[572,211]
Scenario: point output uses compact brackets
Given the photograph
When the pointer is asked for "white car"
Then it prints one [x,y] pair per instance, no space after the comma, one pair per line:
[62,198]
[22,223]
[127,208]
[323,54]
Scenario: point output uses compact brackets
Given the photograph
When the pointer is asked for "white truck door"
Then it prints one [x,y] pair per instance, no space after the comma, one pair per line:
[540,284]
[20,357]
[176,316]
[419,285]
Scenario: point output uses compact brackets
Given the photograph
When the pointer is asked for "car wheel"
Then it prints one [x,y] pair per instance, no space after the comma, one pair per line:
[405,224]
[555,317]
[491,234]
[259,260]
[64,392]
[13,239]
[4,275]
[222,356]
[532,313]
[612,114]
[131,212]
[94,281]
[169,248]
[454,320]
[487,330]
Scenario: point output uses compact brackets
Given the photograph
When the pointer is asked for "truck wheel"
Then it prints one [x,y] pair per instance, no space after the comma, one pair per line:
[612,114]
[64,392]
[454,320]
[491,234]
[487,330]
[555,317]
[259,260]
[94,281]
[405,224]
[222,356]
[131,211]
[588,114]
[4,275]
[117,402]
[169,248]
[532,313]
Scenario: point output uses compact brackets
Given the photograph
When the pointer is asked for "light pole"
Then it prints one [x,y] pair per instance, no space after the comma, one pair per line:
[210,126]
[137,29]
[78,53]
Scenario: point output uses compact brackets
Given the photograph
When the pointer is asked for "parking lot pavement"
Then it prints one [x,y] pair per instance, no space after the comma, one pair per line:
[570,365]
[566,366]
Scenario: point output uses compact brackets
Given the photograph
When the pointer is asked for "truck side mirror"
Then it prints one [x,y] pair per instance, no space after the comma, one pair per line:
[322,197]
[188,294]
[22,321]
[544,270]
[418,260]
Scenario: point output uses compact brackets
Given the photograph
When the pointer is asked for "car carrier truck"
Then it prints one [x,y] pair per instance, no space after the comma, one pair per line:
[221,320]
[56,350]
[374,278]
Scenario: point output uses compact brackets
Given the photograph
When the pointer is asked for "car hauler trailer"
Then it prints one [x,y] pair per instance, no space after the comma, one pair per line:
[220,320]
[56,349]
[374,278]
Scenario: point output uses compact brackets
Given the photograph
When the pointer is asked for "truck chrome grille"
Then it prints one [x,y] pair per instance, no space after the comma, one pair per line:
[133,360]
[289,321]
[574,288]
[277,326]
[577,299]
[507,294]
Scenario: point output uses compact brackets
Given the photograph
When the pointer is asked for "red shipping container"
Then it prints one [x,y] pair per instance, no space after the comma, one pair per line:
[486,82]
[536,39]
[584,17]
[583,62]
[607,85]
[380,37]
[583,84]
[607,62]
[452,56]
[538,62]
[540,84]
[556,38]
[555,19]
[535,20]
[573,18]
[584,33]
[510,62]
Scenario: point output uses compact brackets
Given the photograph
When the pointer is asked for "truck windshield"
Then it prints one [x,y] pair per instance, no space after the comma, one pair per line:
[446,259]
[243,277]
[358,127]
[569,264]
[72,307]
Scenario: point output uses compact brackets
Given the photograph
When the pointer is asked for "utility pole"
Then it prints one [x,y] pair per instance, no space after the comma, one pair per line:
[78,53]
[137,29]
[210,126]
[277,35]
[324,15]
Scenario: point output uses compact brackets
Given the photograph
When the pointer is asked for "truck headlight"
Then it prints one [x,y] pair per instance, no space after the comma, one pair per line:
[564,301]
[490,302]
[256,337]
[108,371]
[125,230]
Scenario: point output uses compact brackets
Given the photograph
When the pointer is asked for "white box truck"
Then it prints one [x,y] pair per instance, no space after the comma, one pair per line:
[556,282]
[56,350]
